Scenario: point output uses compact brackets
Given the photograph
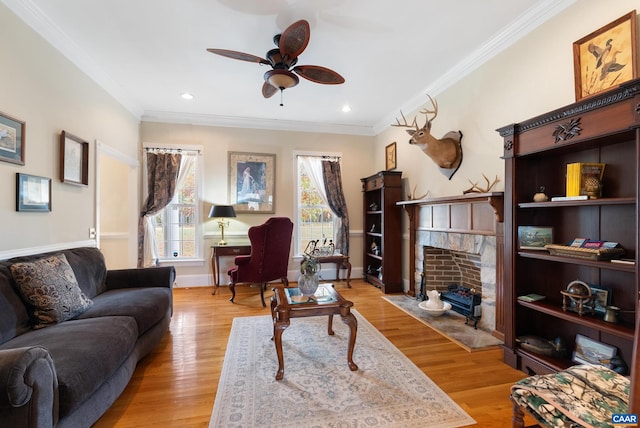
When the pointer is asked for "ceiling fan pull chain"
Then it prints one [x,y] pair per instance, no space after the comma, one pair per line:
[281,97]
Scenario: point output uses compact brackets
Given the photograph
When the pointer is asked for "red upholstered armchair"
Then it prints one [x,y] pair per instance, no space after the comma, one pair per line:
[269,258]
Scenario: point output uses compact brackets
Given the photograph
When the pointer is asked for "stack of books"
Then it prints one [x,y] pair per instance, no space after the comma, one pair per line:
[577,175]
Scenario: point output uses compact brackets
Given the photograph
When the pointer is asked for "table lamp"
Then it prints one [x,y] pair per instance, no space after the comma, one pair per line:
[222,212]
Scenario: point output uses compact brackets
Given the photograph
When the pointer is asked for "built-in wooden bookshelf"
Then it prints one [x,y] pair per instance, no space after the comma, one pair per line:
[604,129]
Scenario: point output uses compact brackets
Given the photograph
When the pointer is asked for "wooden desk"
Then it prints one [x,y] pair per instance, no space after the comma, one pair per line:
[340,261]
[231,249]
[286,304]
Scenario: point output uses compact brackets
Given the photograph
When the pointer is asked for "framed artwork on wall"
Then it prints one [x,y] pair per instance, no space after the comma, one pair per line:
[74,159]
[252,182]
[33,193]
[12,140]
[390,157]
[606,58]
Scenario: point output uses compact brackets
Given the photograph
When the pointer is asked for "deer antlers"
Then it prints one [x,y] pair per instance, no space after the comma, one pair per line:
[477,189]
[424,111]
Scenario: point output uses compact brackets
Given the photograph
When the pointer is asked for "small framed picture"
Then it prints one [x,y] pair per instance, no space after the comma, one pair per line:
[390,157]
[601,298]
[589,351]
[534,237]
[74,159]
[11,139]
[33,193]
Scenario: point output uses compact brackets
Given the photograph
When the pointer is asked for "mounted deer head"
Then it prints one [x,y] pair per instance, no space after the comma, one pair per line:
[446,152]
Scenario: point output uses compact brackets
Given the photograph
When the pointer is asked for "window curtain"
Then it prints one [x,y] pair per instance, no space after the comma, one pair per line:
[332,178]
[162,181]
[313,166]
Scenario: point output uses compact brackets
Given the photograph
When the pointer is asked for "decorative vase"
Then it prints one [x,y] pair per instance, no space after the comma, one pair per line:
[308,284]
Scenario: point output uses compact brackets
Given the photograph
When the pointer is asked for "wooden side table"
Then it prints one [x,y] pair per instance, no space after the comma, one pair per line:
[341,261]
[231,249]
[286,304]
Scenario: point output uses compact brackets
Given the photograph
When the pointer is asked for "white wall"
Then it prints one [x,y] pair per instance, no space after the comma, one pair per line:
[50,94]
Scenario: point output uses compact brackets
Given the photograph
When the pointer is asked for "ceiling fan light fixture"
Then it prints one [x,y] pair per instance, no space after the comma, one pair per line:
[281,79]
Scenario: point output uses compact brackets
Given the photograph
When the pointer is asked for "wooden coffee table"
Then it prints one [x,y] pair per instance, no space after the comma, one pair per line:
[287,303]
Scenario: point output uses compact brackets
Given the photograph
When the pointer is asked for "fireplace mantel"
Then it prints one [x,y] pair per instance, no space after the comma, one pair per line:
[468,203]
[472,213]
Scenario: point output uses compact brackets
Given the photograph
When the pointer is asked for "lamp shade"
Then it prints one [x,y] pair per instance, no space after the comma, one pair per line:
[222,211]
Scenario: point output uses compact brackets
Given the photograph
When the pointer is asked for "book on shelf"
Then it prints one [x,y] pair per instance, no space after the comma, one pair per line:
[624,261]
[580,176]
[533,297]
[569,198]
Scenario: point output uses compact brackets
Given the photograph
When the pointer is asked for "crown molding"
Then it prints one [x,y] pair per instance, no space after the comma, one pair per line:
[526,23]
[256,123]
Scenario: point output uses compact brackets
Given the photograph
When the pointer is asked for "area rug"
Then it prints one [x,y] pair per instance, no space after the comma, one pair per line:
[451,325]
[318,389]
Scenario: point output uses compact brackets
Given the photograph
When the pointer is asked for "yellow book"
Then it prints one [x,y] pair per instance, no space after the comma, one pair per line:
[581,176]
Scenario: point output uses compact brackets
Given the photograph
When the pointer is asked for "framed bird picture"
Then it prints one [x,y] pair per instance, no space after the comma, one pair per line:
[607,57]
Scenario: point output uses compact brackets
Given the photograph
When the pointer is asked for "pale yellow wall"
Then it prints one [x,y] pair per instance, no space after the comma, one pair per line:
[50,94]
[357,162]
[529,78]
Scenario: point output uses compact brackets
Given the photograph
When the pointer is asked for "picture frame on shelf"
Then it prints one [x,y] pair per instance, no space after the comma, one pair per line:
[252,182]
[391,161]
[74,159]
[534,237]
[33,193]
[601,298]
[12,139]
[606,57]
[589,351]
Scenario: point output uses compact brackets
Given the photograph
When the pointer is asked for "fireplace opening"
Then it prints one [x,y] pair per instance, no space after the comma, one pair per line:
[458,275]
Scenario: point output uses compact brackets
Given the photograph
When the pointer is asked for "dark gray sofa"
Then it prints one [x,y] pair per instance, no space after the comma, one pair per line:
[68,374]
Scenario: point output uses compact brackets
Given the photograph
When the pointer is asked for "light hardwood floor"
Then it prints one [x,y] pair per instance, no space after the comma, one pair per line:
[175,385]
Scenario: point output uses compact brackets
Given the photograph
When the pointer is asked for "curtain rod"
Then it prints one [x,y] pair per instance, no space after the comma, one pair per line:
[170,150]
[321,156]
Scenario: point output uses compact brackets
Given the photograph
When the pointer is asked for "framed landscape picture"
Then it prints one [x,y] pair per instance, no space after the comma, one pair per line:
[252,182]
[607,57]
[589,351]
[11,139]
[534,237]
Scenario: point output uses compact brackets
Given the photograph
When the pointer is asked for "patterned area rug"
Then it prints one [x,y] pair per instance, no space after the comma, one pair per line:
[451,325]
[318,389]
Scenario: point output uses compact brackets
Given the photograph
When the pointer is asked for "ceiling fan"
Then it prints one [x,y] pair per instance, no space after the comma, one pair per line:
[283,60]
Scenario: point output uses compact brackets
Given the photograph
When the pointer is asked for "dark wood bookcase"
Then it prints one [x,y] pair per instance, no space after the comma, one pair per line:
[382,249]
[604,128]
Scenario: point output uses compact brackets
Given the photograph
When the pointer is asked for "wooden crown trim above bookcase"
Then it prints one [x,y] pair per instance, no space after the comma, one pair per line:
[623,92]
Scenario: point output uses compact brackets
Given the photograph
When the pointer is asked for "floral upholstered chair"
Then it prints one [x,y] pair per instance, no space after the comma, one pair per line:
[580,396]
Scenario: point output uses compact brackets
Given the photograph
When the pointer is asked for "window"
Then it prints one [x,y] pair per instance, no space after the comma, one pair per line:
[177,226]
[315,220]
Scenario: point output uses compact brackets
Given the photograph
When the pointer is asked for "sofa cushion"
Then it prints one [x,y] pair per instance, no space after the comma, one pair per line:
[86,353]
[146,305]
[50,287]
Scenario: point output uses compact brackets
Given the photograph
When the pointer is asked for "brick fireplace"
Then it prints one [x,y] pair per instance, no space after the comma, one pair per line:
[459,240]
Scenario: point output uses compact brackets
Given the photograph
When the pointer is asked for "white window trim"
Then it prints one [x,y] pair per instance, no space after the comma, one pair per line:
[200,257]
[296,231]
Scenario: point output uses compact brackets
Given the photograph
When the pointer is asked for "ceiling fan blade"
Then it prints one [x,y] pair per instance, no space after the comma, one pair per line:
[294,39]
[268,90]
[319,74]
[238,55]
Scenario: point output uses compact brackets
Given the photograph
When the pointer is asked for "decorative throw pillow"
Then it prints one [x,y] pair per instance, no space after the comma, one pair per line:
[50,287]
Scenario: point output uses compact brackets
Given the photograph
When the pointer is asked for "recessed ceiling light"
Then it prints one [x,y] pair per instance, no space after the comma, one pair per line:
[186,96]
[346,108]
